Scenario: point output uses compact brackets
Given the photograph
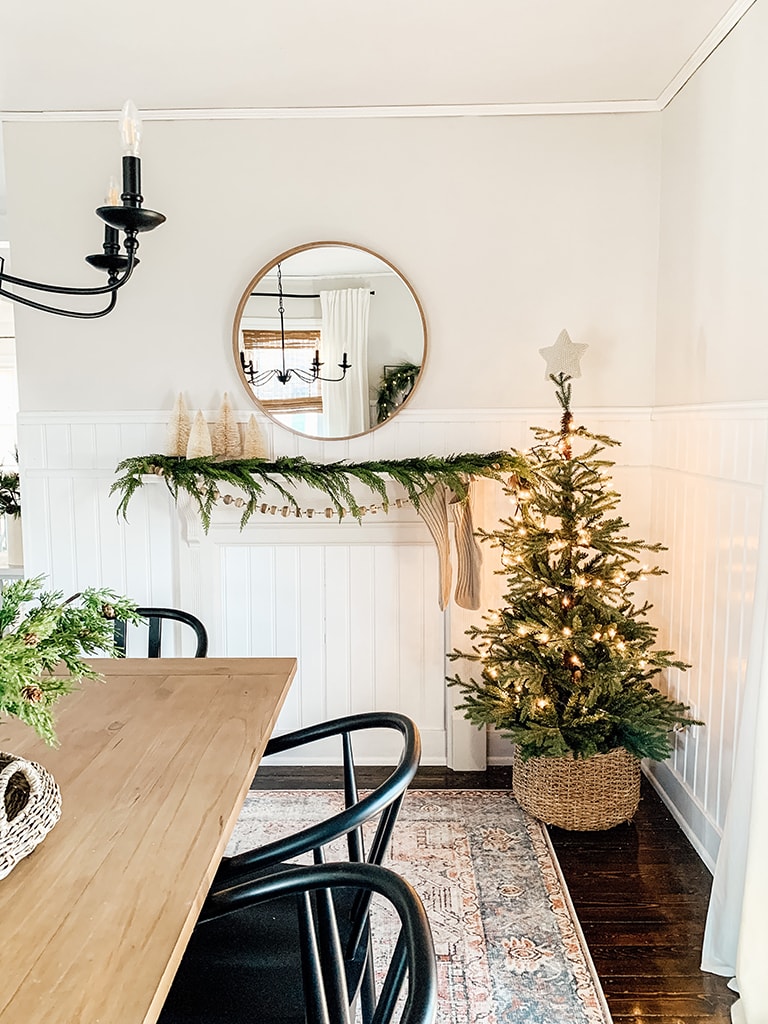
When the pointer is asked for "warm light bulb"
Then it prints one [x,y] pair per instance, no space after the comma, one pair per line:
[566,631]
[130,129]
[541,703]
[597,636]
[113,193]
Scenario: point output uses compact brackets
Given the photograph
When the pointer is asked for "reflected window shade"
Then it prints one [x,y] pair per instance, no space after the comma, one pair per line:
[283,405]
[309,340]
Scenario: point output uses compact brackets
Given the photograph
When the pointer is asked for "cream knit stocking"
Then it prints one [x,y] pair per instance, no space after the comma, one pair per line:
[469,556]
[433,510]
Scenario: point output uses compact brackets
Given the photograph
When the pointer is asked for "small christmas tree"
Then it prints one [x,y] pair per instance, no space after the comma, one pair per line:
[566,664]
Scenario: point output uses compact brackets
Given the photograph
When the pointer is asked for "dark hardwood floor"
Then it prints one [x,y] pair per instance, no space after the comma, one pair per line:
[639,890]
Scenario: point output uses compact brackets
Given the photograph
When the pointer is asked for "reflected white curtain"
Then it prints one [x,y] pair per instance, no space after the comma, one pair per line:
[345,329]
[736,934]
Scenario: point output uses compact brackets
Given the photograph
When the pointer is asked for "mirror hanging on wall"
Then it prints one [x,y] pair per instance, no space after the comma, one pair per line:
[330,340]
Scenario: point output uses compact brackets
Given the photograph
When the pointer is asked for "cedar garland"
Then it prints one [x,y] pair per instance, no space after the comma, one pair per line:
[202,478]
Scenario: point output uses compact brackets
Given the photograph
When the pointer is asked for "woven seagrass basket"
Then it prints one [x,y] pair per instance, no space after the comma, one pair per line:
[30,805]
[580,794]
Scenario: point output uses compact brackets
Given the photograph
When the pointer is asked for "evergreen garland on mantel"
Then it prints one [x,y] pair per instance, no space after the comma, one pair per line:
[203,478]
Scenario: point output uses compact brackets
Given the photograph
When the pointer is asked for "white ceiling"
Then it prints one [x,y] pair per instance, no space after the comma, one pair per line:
[266,55]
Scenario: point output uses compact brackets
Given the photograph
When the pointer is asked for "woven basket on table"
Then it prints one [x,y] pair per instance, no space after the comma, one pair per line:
[580,794]
[30,805]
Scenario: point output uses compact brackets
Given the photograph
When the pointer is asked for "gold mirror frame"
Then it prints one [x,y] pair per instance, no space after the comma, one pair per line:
[240,352]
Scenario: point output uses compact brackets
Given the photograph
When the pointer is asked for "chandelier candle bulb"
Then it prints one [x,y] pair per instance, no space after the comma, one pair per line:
[111,235]
[130,129]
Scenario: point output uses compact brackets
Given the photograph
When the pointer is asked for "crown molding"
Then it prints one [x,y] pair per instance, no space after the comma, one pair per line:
[327,113]
[724,27]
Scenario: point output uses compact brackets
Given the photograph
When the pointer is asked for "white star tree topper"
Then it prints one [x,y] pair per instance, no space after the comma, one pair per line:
[563,357]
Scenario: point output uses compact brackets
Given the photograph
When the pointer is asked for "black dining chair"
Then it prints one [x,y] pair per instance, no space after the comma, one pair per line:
[376,809]
[233,973]
[155,618]
[380,804]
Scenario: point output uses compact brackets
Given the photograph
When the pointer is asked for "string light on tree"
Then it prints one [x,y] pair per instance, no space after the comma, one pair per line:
[573,654]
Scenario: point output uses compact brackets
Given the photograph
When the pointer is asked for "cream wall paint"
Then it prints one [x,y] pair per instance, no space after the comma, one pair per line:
[713,264]
[509,229]
[709,476]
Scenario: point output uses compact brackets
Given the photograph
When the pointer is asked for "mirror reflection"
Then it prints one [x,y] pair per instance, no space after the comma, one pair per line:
[330,340]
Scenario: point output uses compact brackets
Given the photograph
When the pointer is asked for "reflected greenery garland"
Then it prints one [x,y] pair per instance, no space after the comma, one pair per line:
[202,478]
[394,387]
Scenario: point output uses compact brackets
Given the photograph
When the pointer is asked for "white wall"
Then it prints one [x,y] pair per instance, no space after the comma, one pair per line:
[509,229]
[709,435]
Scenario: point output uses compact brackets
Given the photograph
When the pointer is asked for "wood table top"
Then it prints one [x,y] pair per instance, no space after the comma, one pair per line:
[153,766]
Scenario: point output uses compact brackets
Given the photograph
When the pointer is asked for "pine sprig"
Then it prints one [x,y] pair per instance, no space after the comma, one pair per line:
[203,478]
[39,632]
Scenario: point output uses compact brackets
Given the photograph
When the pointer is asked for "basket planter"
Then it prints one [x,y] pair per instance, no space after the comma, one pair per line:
[580,794]
[30,805]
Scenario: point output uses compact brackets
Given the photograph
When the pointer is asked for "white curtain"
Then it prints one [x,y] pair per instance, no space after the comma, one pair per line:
[736,934]
[345,329]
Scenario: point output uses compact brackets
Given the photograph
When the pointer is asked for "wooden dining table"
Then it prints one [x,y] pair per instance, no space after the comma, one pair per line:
[153,765]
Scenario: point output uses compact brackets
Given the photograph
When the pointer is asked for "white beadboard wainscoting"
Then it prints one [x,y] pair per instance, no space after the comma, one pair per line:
[357,604]
[710,479]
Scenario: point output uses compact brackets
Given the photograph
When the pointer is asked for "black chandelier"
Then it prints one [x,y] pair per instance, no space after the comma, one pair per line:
[284,373]
[130,218]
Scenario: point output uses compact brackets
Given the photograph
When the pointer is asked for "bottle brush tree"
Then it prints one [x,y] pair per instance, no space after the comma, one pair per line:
[565,666]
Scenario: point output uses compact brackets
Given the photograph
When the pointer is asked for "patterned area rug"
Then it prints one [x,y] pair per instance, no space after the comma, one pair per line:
[509,948]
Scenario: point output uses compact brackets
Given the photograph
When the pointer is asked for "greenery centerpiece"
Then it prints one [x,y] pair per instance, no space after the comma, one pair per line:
[44,641]
[565,666]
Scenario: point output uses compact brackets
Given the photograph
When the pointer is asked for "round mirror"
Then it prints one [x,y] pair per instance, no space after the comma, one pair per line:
[330,340]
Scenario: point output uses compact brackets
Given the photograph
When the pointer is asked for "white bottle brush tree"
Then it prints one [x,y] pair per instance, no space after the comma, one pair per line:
[565,666]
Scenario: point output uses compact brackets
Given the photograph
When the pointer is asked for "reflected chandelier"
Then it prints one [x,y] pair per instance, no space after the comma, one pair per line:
[130,218]
[284,373]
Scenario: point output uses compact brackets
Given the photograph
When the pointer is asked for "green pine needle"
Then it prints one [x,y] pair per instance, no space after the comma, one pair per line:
[203,478]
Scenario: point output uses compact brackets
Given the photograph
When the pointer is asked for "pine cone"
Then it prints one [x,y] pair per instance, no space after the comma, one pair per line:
[33,694]
[31,639]
[108,611]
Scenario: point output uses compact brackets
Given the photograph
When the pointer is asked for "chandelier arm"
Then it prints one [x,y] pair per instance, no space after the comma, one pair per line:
[331,380]
[106,289]
[91,315]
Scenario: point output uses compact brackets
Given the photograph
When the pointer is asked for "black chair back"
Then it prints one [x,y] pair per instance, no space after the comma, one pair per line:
[221,981]
[382,803]
[378,809]
[155,617]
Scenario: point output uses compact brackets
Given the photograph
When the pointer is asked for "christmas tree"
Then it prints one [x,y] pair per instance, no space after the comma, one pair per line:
[566,664]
